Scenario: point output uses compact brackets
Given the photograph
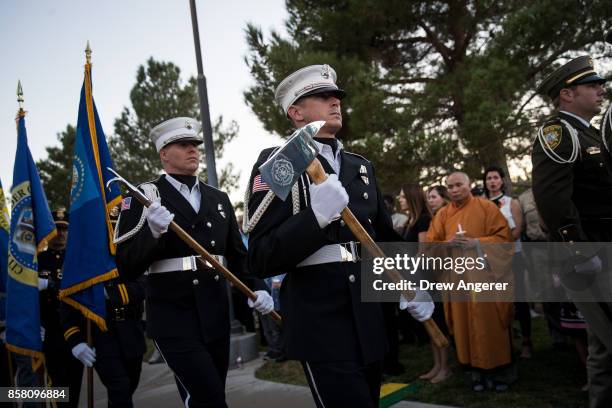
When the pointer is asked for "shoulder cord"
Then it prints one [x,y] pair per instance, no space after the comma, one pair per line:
[248,224]
[152,193]
[607,119]
[551,153]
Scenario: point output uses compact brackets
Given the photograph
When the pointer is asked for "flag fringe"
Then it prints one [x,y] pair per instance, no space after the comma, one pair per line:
[87,283]
[38,358]
[97,319]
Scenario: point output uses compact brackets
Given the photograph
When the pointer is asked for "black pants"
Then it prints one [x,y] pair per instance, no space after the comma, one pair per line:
[63,368]
[199,368]
[342,384]
[120,373]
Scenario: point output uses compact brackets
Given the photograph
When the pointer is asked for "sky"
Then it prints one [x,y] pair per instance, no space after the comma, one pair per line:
[43,45]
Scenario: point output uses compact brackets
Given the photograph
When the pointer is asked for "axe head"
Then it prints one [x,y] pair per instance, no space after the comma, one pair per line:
[288,163]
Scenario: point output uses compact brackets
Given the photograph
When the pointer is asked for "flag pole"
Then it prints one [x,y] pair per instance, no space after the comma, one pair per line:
[90,385]
[9,354]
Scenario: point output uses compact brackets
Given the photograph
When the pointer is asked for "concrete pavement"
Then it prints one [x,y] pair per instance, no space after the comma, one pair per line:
[157,389]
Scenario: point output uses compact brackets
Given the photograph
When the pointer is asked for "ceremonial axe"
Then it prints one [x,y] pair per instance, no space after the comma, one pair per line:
[193,244]
[299,154]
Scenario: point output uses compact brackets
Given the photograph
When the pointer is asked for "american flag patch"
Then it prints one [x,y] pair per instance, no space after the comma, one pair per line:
[125,203]
[259,184]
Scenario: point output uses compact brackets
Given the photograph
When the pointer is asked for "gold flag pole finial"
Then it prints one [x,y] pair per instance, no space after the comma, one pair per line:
[88,53]
[20,95]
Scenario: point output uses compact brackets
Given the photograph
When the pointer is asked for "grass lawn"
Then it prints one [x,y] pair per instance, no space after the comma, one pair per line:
[550,379]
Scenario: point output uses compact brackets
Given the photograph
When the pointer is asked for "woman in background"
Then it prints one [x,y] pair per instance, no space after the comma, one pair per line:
[493,181]
[413,201]
[437,197]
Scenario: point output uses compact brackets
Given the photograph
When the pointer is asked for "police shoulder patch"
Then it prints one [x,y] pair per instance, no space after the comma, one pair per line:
[552,135]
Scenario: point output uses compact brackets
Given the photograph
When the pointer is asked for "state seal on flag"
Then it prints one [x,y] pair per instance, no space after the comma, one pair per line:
[78,172]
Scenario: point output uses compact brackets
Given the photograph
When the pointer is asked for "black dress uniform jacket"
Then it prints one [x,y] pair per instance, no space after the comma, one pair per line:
[50,266]
[574,199]
[184,304]
[323,316]
[63,369]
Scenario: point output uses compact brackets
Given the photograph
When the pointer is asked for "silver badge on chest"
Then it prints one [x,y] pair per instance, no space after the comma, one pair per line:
[221,210]
[363,172]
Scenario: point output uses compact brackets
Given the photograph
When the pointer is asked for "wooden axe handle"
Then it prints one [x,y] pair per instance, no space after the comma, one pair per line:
[205,255]
[318,175]
[217,265]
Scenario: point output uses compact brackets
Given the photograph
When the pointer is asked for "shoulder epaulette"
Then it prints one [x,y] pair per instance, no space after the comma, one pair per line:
[152,193]
[357,155]
[550,136]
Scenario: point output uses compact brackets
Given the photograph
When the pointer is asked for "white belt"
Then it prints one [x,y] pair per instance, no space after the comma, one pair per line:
[346,252]
[187,263]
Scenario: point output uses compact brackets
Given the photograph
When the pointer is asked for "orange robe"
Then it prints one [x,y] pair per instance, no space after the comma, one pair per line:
[480,329]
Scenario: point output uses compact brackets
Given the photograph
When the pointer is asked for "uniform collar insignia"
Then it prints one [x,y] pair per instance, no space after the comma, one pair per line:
[220,209]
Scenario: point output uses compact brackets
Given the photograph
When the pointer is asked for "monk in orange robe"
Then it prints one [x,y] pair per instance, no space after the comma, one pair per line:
[481,329]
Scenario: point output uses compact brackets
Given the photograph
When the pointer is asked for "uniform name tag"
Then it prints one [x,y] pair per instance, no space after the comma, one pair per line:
[593,150]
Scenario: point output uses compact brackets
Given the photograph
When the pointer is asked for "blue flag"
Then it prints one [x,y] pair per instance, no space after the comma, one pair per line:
[90,252]
[31,229]
[4,239]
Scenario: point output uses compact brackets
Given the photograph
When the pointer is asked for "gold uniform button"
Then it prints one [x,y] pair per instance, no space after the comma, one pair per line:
[601,164]
[196,282]
[365,196]
[217,278]
[352,278]
[212,243]
[193,226]
[57,256]
[342,223]
[208,224]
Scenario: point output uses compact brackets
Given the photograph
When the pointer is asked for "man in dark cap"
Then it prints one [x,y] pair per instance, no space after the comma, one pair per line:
[63,369]
[116,354]
[572,187]
[339,339]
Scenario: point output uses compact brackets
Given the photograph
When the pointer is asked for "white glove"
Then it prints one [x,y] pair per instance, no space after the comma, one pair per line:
[85,354]
[590,266]
[327,200]
[264,303]
[158,218]
[43,283]
[421,307]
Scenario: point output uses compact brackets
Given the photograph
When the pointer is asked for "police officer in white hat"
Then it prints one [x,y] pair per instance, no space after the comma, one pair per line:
[339,339]
[187,305]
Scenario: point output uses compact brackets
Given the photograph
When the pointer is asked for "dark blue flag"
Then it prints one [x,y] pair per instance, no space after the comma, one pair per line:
[90,250]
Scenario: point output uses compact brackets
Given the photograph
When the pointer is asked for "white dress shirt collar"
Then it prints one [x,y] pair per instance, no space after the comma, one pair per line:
[192,195]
